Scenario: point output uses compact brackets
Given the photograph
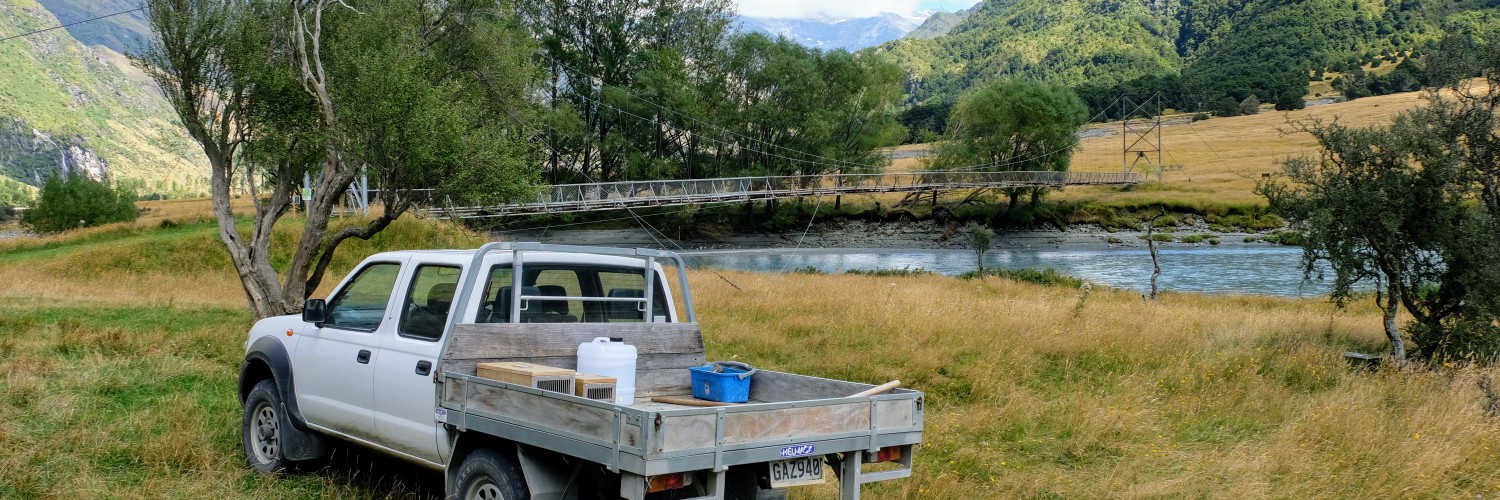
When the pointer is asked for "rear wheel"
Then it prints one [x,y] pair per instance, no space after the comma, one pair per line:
[745,482]
[261,429]
[488,474]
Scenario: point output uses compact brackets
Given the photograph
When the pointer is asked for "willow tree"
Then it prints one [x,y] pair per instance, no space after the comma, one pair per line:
[1013,125]
[418,94]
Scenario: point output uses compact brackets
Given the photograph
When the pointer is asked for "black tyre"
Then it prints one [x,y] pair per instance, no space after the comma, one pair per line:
[261,429]
[488,474]
[745,483]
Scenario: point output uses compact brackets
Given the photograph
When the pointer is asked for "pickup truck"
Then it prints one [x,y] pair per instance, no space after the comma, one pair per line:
[389,362]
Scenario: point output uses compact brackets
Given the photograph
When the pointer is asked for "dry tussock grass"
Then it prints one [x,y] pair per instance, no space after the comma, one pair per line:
[1224,157]
[118,378]
[1041,391]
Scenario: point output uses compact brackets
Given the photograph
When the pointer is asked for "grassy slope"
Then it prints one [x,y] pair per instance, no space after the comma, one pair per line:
[1222,157]
[119,348]
[116,116]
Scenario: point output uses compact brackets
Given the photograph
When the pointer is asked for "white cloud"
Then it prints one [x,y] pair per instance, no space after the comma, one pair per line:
[839,8]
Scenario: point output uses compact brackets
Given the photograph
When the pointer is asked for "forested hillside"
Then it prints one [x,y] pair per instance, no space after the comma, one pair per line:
[63,103]
[1198,52]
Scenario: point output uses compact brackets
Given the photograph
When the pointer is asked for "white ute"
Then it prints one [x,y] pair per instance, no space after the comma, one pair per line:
[389,362]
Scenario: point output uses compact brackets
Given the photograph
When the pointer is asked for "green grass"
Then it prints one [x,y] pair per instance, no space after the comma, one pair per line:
[140,402]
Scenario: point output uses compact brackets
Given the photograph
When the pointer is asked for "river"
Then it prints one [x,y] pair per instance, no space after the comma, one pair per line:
[1244,270]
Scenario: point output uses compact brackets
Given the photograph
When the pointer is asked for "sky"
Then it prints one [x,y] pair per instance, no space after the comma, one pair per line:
[844,8]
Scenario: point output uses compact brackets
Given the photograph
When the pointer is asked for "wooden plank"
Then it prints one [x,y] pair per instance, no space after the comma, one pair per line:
[777,387]
[648,382]
[544,340]
[768,425]
[537,410]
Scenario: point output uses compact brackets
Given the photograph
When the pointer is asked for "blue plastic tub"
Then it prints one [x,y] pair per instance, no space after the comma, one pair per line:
[722,382]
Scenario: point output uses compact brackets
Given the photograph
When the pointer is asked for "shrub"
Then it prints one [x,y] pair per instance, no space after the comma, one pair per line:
[1200,116]
[1227,106]
[1250,106]
[1038,276]
[890,273]
[77,202]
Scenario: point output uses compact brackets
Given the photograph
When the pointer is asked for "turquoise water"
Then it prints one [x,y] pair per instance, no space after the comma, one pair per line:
[1253,270]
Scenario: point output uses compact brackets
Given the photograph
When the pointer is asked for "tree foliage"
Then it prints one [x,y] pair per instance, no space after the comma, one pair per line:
[664,89]
[1407,209]
[1013,125]
[417,94]
[1195,53]
[77,201]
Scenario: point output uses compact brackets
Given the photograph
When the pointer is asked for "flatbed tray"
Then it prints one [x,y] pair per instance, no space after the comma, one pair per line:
[651,438]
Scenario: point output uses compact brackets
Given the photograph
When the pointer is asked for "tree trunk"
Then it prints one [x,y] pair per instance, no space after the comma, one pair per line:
[1155,261]
[1392,332]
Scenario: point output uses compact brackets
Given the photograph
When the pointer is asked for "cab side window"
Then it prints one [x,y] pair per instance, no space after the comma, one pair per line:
[361,305]
[428,302]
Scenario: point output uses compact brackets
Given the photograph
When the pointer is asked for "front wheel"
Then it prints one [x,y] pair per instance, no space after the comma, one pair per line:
[261,429]
[488,474]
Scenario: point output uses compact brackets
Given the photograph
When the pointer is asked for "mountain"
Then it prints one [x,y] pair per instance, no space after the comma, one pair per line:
[939,24]
[122,33]
[1067,41]
[64,105]
[829,33]
[1205,50]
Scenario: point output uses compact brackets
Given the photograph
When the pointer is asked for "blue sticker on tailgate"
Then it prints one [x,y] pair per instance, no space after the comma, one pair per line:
[797,450]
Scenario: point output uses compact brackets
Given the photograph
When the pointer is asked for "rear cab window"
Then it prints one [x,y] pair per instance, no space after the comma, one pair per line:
[583,294]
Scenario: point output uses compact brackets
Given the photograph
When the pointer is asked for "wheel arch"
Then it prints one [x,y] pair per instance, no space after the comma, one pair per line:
[466,444]
[267,359]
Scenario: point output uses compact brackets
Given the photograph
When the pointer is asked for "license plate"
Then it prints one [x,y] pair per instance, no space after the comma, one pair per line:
[797,471]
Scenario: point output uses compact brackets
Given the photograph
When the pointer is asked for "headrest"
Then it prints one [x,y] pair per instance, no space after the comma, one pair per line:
[440,296]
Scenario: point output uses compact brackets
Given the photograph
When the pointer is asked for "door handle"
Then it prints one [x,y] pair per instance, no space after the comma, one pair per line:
[424,368]
[364,357]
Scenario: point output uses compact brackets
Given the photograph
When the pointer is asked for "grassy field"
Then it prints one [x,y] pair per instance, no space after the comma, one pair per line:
[119,349]
[1221,157]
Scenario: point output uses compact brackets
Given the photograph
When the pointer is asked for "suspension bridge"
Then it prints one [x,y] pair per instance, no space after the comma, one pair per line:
[569,198]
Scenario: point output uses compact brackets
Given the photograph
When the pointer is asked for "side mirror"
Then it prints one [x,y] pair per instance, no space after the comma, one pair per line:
[315,311]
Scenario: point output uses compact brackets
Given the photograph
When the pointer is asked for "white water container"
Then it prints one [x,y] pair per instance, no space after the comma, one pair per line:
[610,358]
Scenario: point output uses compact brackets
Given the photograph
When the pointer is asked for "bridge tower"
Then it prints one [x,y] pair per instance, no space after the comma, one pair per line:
[1140,121]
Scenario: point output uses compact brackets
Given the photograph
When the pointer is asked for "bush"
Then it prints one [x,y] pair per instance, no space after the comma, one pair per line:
[1227,106]
[1200,116]
[1038,276]
[78,202]
[1250,106]
[7,213]
[890,273]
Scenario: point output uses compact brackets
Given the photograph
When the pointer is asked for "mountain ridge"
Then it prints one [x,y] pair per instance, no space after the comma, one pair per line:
[830,33]
[1232,48]
[65,105]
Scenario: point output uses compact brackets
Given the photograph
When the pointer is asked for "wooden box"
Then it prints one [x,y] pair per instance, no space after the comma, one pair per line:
[594,387]
[530,375]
